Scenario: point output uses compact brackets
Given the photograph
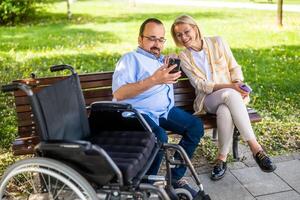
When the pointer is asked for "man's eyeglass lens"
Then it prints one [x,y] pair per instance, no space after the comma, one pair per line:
[154,39]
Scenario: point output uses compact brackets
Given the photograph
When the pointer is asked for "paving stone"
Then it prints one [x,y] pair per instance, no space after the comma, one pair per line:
[258,182]
[283,158]
[227,188]
[246,156]
[236,165]
[289,172]
[290,195]
[296,155]
[204,169]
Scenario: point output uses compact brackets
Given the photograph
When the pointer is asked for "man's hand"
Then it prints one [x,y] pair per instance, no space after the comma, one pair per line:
[163,75]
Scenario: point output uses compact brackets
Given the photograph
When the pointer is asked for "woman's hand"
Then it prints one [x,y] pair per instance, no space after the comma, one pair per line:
[236,86]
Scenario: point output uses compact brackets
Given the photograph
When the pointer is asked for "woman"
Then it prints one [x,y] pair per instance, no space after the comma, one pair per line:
[216,77]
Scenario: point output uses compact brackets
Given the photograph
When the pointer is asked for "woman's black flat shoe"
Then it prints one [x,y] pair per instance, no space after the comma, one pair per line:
[219,170]
[264,162]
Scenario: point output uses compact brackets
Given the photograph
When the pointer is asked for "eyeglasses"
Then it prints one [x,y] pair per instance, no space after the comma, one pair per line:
[154,39]
[185,33]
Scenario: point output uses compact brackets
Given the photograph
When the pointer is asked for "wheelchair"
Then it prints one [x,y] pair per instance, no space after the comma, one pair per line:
[101,155]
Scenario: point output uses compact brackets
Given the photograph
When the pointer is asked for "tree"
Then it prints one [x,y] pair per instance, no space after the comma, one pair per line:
[69,2]
[279,12]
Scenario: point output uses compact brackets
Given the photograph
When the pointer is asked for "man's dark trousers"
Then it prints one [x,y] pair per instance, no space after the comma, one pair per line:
[179,122]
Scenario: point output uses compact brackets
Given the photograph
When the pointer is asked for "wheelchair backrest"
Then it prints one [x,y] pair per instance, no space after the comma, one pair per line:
[60,111]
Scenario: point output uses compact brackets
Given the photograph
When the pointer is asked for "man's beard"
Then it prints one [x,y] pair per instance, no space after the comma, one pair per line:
[155,51]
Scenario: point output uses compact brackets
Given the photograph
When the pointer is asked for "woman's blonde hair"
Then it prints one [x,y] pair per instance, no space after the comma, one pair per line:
[184,19]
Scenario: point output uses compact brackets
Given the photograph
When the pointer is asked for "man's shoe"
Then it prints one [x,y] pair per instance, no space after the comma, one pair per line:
[264,162]
[219,170]
[182,183]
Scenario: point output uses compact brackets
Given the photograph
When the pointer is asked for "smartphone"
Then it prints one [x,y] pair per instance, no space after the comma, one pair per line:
[174,61]
[246,88]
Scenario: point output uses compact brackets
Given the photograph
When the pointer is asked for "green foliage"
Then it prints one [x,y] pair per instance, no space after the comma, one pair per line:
[208,148]
[13,11]
[279,137]
[7,158]
[7,121]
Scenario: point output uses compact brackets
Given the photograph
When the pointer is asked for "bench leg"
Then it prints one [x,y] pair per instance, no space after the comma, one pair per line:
[235,143]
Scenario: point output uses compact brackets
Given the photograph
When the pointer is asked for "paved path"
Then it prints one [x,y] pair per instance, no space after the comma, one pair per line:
[245,181]
[220,4]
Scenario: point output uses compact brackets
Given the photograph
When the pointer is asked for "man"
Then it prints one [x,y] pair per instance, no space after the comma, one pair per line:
[143,79]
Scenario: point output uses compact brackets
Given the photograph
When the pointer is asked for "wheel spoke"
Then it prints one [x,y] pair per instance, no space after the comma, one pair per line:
[28,181]
[61,189]
[49,183]
[71,196]
[32,183]
[25,189]
[42,175]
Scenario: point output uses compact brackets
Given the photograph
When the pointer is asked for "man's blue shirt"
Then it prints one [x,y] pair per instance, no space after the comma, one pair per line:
[136,66]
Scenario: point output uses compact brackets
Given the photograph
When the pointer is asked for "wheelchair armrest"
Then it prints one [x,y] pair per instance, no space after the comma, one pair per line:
[110,105]
[56,144]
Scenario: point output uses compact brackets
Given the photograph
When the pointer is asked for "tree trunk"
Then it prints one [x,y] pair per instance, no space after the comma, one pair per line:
[279,12]
[69,9]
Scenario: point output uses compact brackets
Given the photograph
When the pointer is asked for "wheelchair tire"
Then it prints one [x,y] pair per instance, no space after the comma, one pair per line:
[183,194]
[44,178]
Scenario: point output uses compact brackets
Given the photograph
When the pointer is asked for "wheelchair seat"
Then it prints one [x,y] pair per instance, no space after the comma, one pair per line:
[129,150]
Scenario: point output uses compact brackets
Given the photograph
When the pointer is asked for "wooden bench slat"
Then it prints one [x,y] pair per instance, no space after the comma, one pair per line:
[24,116]
[23,108]
[184,103]
[184,97]
[182,84]
[91,100]
[26,131]
[83,77]
[97,93]
[96,76]
[183,90]
[95,84]
[24,146]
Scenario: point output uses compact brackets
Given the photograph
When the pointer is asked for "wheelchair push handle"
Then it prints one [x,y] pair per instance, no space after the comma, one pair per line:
[56,68]
[17,86]
[10,87]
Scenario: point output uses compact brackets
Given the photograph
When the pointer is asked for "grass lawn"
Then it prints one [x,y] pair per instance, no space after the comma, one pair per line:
[101,31]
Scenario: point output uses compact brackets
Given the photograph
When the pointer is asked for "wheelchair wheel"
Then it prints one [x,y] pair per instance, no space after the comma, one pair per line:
[43,178]
[183,194]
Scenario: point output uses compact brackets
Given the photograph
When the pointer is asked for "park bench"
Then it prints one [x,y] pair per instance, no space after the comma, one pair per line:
[97,87]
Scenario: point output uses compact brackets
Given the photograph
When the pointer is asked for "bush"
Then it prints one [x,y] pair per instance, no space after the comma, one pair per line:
[13,11]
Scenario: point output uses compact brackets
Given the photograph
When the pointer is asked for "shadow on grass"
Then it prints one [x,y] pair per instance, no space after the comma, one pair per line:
[53,18]
[53,37]
[83,63]
[54,31]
